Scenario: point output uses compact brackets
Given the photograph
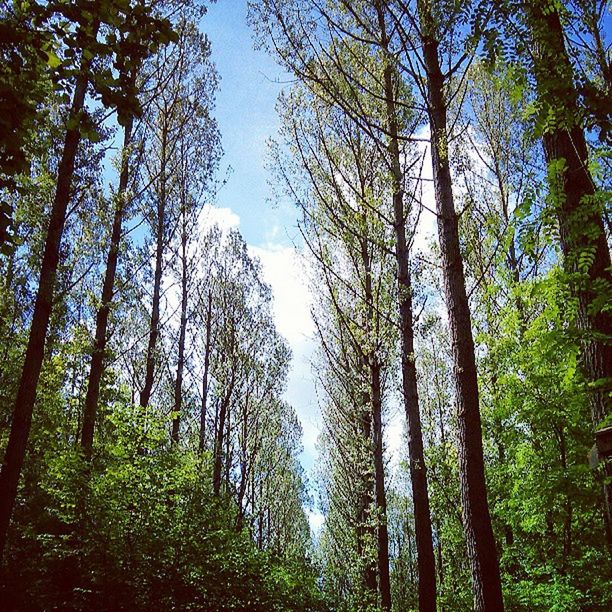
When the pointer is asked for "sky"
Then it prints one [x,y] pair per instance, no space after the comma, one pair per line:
[250,82]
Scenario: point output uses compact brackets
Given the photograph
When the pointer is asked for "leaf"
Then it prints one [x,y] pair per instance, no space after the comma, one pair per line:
[52,59]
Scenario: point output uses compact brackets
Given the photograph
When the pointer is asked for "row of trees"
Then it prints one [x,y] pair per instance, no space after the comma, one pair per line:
[149,458]
[475,91]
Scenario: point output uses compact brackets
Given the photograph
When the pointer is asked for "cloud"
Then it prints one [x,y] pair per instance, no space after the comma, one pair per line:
[283,270]
[225,218]
[316,520]
[396,441]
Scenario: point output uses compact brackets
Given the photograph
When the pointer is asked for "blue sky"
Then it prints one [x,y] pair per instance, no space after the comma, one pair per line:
[250,84]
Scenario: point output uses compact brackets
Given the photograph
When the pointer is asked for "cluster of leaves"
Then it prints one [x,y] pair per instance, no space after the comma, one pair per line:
[140,530]
[43,46]
[539,416]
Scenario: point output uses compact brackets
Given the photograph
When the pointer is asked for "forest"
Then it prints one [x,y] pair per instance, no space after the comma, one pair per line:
[449,167]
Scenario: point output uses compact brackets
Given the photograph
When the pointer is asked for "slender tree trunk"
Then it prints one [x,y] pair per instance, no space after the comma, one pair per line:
[218,450]
[220,436]
[241,494]
[97,357]
[228,455]
[381,496]
[205,375]
[418,473]
[178,387]
[501,455]
[244,463]
[567,523]
[581,226]
[477,520]
[364,518]
[384,582]
[440,557]
[145,394]
[411,560]
[501,449]
[30,374]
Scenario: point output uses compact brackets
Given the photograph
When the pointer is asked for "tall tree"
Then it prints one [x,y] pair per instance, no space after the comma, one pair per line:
[97,357]
[418,474]
[477,522]
[349,63]
[578,208]
[333,172]
[86,27]
[187,82]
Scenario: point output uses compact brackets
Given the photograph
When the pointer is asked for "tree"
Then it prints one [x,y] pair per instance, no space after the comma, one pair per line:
[86,31]
[333,171]
[477,522]
[578,207]
[97,358]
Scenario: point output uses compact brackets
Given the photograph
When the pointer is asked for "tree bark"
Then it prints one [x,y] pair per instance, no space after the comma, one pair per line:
[145,394]
[418,473]
[219,439]
[178,387]
[26,395]
[375,396]
[244,465]
[205,375]
[364,518]
[477,520]
[96,370]
[380,496]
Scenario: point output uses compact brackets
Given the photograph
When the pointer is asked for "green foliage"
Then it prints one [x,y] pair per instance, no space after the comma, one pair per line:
[44,47]
[539,416]
[141,530]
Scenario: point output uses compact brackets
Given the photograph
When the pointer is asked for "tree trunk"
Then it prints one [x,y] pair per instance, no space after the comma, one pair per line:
[364,518]
[581,227]
[228,448]
[220,435]
[145,394]
[178,387]
[477,520]
[244,466]
[218,450]
[375,396]
[381,496]
[205,375]
[580,223]
[97,357]
[440,556]
[418,474]
[26,394]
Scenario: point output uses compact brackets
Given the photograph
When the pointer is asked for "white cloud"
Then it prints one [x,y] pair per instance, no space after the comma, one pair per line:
[396,441]
[427,226]
[316,520]
[225,218]
[283,270]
